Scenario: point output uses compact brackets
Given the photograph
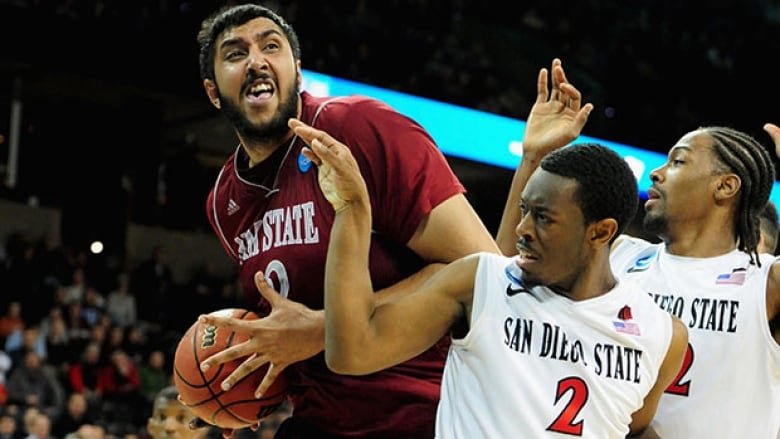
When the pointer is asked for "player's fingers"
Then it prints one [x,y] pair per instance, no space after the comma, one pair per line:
[309,133]
[227,433]
[229,323]
[311,155]
[558,74]
[542,93]
[582,117]
[574,96]
[245,368]
[270,376]
[267,290]
[225,355]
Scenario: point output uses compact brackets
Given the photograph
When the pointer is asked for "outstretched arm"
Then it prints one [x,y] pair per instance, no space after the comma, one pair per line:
[556,118]
[773,283]
[363,335]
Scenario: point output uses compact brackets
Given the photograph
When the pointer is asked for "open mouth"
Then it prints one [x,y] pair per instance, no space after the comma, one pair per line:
[260,91]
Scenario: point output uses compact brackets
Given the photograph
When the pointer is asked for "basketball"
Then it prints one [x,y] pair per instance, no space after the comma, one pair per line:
[201,392]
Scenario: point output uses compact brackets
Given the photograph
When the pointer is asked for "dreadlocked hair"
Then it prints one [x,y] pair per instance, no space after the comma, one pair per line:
[749,159]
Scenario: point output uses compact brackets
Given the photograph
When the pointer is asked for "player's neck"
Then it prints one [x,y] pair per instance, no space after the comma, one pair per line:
[259,150]
[596,280]
[706,236]
[701,244]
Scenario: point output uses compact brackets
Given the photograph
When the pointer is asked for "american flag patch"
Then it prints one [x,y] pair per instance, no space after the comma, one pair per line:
[626,328]
[736,278]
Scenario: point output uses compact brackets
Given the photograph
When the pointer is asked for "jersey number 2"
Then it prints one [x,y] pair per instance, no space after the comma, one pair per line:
[565,422]
[678,386]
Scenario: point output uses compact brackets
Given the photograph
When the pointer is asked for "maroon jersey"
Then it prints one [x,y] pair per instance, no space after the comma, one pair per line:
[273,217]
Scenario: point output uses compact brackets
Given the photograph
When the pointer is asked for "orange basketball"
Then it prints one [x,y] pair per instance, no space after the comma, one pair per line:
[201,392]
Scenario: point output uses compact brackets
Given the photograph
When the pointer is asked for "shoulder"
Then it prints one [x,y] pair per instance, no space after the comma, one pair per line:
[364,114]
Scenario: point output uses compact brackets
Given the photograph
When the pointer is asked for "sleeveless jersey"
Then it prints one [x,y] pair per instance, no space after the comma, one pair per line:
[537,364]
[729,384]
[274,218]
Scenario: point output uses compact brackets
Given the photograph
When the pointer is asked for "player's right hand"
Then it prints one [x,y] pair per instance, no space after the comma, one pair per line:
[290,333]
[339,174]
[558,115]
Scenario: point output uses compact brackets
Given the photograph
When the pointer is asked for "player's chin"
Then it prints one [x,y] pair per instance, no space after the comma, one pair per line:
[528,263]
[529,277]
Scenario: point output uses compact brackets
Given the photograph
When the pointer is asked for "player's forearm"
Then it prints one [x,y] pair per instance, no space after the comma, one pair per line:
[349,295]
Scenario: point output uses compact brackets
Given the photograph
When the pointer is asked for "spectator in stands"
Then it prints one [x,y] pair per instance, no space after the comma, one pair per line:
[9,427]
[154,375]
[76,289]
[120,303]
[39,427]
[34,384]
[5,367]
[83,376]
[122,399]
[93,306]
[77,413]
[59,350]
[90,431]
[23,341]
[150,282]
[11,321]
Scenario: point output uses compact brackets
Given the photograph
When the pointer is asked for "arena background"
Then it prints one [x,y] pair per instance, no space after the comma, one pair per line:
[112,100]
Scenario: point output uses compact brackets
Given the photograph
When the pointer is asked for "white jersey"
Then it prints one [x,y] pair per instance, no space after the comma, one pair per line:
[537,364]
[729,384]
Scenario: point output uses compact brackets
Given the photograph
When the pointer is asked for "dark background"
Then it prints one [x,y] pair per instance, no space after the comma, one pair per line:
[116,126]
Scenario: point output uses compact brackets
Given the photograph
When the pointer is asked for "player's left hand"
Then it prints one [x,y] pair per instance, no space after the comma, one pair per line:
[339,175]
[290,333]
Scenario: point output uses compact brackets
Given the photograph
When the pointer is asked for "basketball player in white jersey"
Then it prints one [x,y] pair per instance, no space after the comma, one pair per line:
[546,344]
[704,204]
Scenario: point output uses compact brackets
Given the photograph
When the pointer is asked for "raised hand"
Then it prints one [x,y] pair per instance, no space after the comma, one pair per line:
[339,175]
[557,117]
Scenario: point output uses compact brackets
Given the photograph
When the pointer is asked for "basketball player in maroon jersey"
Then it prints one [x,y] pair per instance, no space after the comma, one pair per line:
[268,211]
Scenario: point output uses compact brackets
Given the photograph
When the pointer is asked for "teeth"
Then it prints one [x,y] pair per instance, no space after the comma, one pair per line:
[259,88]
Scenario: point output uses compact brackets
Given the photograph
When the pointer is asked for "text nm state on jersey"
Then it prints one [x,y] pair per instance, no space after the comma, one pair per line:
[279,227]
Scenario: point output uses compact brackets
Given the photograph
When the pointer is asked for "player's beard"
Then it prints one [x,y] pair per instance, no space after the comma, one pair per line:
[654,225]
[275,130]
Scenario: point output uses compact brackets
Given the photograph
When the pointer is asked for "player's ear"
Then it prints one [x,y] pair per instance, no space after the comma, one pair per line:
[601,232]
[727,186]
[212,92]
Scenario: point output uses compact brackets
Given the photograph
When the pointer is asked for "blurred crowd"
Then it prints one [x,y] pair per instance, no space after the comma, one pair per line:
[84,345]
[636,59]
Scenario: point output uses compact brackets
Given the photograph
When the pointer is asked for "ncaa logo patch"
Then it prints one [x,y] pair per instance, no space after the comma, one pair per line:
[304,164]
[642,263]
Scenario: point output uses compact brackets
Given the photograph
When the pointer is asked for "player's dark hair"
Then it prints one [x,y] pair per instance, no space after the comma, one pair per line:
[229,17]
[168,392]
[749,159]
[607,186]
